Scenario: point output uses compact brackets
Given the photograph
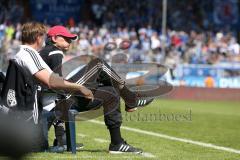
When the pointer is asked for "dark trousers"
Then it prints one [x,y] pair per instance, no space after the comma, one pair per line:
[99,77]
[110,103]
[104,82]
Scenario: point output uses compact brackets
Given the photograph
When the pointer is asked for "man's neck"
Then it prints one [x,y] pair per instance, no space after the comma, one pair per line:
[34,46]
[59,48]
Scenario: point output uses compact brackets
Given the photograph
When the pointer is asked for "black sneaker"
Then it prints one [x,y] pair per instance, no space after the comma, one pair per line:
[79,146]
[133,100]
[123,148]
[56,149]
[139,102]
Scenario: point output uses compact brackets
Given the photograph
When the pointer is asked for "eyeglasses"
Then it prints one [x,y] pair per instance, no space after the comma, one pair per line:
[67,39]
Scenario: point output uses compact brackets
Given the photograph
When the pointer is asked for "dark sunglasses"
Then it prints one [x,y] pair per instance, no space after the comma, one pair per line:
[67,39]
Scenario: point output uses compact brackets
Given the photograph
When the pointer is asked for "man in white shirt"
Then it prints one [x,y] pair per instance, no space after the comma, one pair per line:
[20,89]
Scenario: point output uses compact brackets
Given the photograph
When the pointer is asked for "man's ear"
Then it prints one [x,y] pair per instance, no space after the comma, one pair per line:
[53,39]
[39,42]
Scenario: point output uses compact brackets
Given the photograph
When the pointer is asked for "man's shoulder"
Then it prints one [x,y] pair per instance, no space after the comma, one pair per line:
[29,58]
[26,52]
[49,50]
[23,54]
[45,50]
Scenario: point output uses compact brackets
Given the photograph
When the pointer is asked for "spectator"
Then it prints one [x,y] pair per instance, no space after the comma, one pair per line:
[209,82]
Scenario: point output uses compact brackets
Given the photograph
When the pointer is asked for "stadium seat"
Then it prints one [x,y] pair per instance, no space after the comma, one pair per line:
[70,125]
[71,131]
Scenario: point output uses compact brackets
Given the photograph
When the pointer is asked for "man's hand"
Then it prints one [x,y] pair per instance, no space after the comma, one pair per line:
[86,92]
[53,81]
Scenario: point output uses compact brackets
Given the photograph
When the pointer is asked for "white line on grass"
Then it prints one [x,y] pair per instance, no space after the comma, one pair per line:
[100,140]
[148,155]
[81,135]
[208,145]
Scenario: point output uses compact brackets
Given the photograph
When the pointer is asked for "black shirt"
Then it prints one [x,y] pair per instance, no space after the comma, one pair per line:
[53,57]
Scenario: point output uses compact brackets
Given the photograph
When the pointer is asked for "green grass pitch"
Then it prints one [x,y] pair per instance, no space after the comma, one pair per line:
[217,123]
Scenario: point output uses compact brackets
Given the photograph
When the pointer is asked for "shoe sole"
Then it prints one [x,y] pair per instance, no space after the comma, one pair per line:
[119,152]
[77,148]
[131,110]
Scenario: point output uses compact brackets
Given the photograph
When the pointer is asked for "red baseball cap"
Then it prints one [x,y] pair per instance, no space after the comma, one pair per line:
[61,31]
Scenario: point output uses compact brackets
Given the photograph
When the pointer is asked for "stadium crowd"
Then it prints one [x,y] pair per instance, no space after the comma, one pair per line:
[183,15]
[146,44]
[190,35]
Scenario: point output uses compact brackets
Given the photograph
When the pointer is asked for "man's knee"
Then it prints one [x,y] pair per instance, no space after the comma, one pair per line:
[113,120]
[97,60]
[112,115]
[112,95]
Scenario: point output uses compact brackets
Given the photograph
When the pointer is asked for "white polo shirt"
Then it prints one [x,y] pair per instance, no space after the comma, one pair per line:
[29,58]
[32,62]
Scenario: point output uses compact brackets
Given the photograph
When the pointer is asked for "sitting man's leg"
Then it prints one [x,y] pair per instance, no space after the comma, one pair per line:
[97,70]
[113,119]
[49,119]
[60,135]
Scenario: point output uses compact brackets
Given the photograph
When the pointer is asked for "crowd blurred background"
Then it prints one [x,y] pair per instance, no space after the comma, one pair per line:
[198,31]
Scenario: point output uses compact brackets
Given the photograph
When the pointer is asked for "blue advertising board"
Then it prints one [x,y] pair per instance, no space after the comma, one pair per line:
[55,11]
[224,76]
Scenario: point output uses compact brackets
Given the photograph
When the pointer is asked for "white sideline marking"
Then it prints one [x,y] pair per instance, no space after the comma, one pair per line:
[81,135]
[101,140]
[144,154]
[207,145]
[148,155]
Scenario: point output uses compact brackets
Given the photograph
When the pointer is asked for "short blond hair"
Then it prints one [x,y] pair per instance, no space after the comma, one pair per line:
[32,30]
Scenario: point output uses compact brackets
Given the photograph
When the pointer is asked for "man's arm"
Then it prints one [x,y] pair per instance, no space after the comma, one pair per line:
[53,81]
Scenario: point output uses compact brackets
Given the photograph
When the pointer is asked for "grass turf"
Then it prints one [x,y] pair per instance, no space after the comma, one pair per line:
[209,122]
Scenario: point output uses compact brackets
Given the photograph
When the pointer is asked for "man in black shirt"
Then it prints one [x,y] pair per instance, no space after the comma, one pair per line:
[97,70]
